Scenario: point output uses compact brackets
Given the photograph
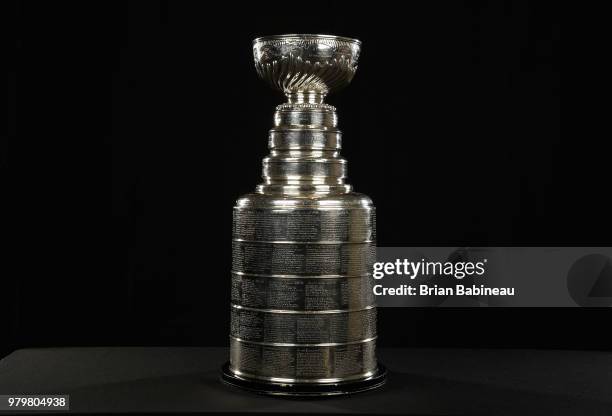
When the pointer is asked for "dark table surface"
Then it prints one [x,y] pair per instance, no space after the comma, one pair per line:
[421,382]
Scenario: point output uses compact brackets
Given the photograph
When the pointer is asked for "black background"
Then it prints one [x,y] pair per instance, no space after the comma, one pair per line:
[143,122]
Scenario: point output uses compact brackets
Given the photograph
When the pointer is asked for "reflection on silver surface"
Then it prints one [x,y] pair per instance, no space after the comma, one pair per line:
[304,363]
[304,243]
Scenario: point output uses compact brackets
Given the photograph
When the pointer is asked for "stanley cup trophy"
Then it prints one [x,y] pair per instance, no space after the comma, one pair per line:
[303,318]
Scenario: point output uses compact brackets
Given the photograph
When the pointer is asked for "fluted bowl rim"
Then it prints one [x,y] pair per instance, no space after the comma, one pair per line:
[309,36]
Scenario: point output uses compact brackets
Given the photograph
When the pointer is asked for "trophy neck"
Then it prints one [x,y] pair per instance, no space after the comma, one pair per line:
[306,97]
[304,145]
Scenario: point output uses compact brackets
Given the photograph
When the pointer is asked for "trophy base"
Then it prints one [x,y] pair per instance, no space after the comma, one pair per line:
[304,389]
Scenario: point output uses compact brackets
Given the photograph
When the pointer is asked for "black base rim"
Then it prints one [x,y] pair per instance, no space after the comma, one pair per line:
[304,389]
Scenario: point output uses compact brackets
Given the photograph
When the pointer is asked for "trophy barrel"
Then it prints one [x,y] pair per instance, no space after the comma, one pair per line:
[303,317]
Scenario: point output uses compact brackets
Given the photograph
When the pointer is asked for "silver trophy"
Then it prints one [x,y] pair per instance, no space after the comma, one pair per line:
[303,318]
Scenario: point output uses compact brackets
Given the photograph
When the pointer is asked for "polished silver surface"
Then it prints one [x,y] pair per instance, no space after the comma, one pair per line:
[310,64]
[302,308]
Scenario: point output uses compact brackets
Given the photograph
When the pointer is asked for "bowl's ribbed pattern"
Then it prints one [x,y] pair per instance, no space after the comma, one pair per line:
[306,63]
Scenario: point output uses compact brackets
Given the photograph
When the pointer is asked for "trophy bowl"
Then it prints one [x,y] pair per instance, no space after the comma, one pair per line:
[313,64]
